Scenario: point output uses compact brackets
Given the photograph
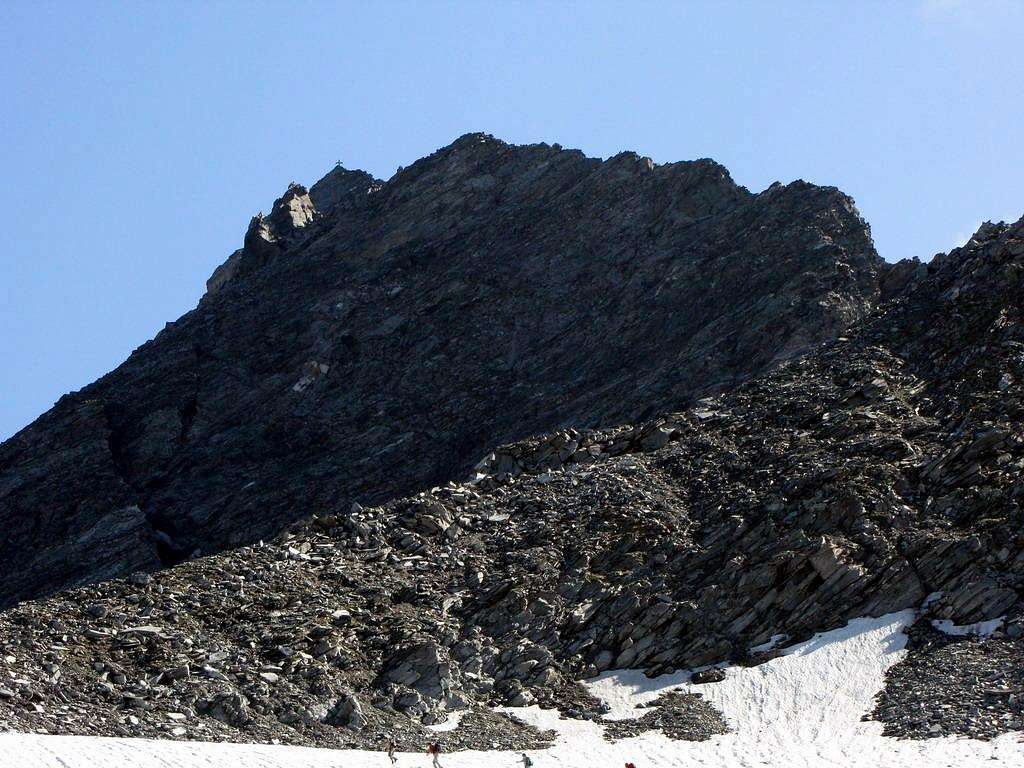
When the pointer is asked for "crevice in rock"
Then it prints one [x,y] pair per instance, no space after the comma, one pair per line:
[188,416]
[170,549]
[117,442]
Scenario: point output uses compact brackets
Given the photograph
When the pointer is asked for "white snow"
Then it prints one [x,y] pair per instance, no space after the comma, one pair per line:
[980,628]
[450,723]
[802,709]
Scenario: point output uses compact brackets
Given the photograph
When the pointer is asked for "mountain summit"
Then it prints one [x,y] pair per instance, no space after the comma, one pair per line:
[728,428]
[372,339]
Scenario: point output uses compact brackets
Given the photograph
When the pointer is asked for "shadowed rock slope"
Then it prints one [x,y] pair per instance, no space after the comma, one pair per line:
[881,471]
[372,339]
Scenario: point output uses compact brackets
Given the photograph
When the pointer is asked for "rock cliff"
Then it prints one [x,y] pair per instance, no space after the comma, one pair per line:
[372,339]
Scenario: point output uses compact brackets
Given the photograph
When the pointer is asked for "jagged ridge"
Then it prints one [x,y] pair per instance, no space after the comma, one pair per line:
[371,339]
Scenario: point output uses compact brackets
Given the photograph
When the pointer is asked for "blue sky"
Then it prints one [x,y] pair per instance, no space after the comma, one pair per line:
[137,139]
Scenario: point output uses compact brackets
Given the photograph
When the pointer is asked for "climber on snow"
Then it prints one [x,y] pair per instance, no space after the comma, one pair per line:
[434,750]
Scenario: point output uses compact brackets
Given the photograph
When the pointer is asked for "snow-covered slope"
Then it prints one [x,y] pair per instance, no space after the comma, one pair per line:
[801,709]
[805,708]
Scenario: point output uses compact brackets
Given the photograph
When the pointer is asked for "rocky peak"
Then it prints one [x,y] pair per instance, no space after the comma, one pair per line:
[372,339]
[722,423]
[341,187]
[267,236]
[293,210]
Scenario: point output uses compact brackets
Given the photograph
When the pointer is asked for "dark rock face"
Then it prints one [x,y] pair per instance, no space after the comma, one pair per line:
[372,339]
[882,468]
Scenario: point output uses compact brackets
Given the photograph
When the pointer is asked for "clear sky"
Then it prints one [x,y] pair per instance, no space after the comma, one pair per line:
[138,139]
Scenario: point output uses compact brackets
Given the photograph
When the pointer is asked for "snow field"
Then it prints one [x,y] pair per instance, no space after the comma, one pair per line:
[802,709]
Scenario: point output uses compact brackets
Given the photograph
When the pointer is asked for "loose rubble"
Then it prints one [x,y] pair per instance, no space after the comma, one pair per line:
[954,686]
[681,716]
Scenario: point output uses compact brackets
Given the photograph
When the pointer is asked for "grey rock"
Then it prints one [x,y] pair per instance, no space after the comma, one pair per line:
[230,708]
[424,667]
[347,712]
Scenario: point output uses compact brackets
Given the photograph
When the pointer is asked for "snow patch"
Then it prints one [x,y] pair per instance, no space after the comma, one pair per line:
[800,710]
[451,723]
[980,628]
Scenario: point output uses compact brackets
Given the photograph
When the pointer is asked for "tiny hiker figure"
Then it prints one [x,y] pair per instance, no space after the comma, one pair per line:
[434,751]
[527,762]
[391,751]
